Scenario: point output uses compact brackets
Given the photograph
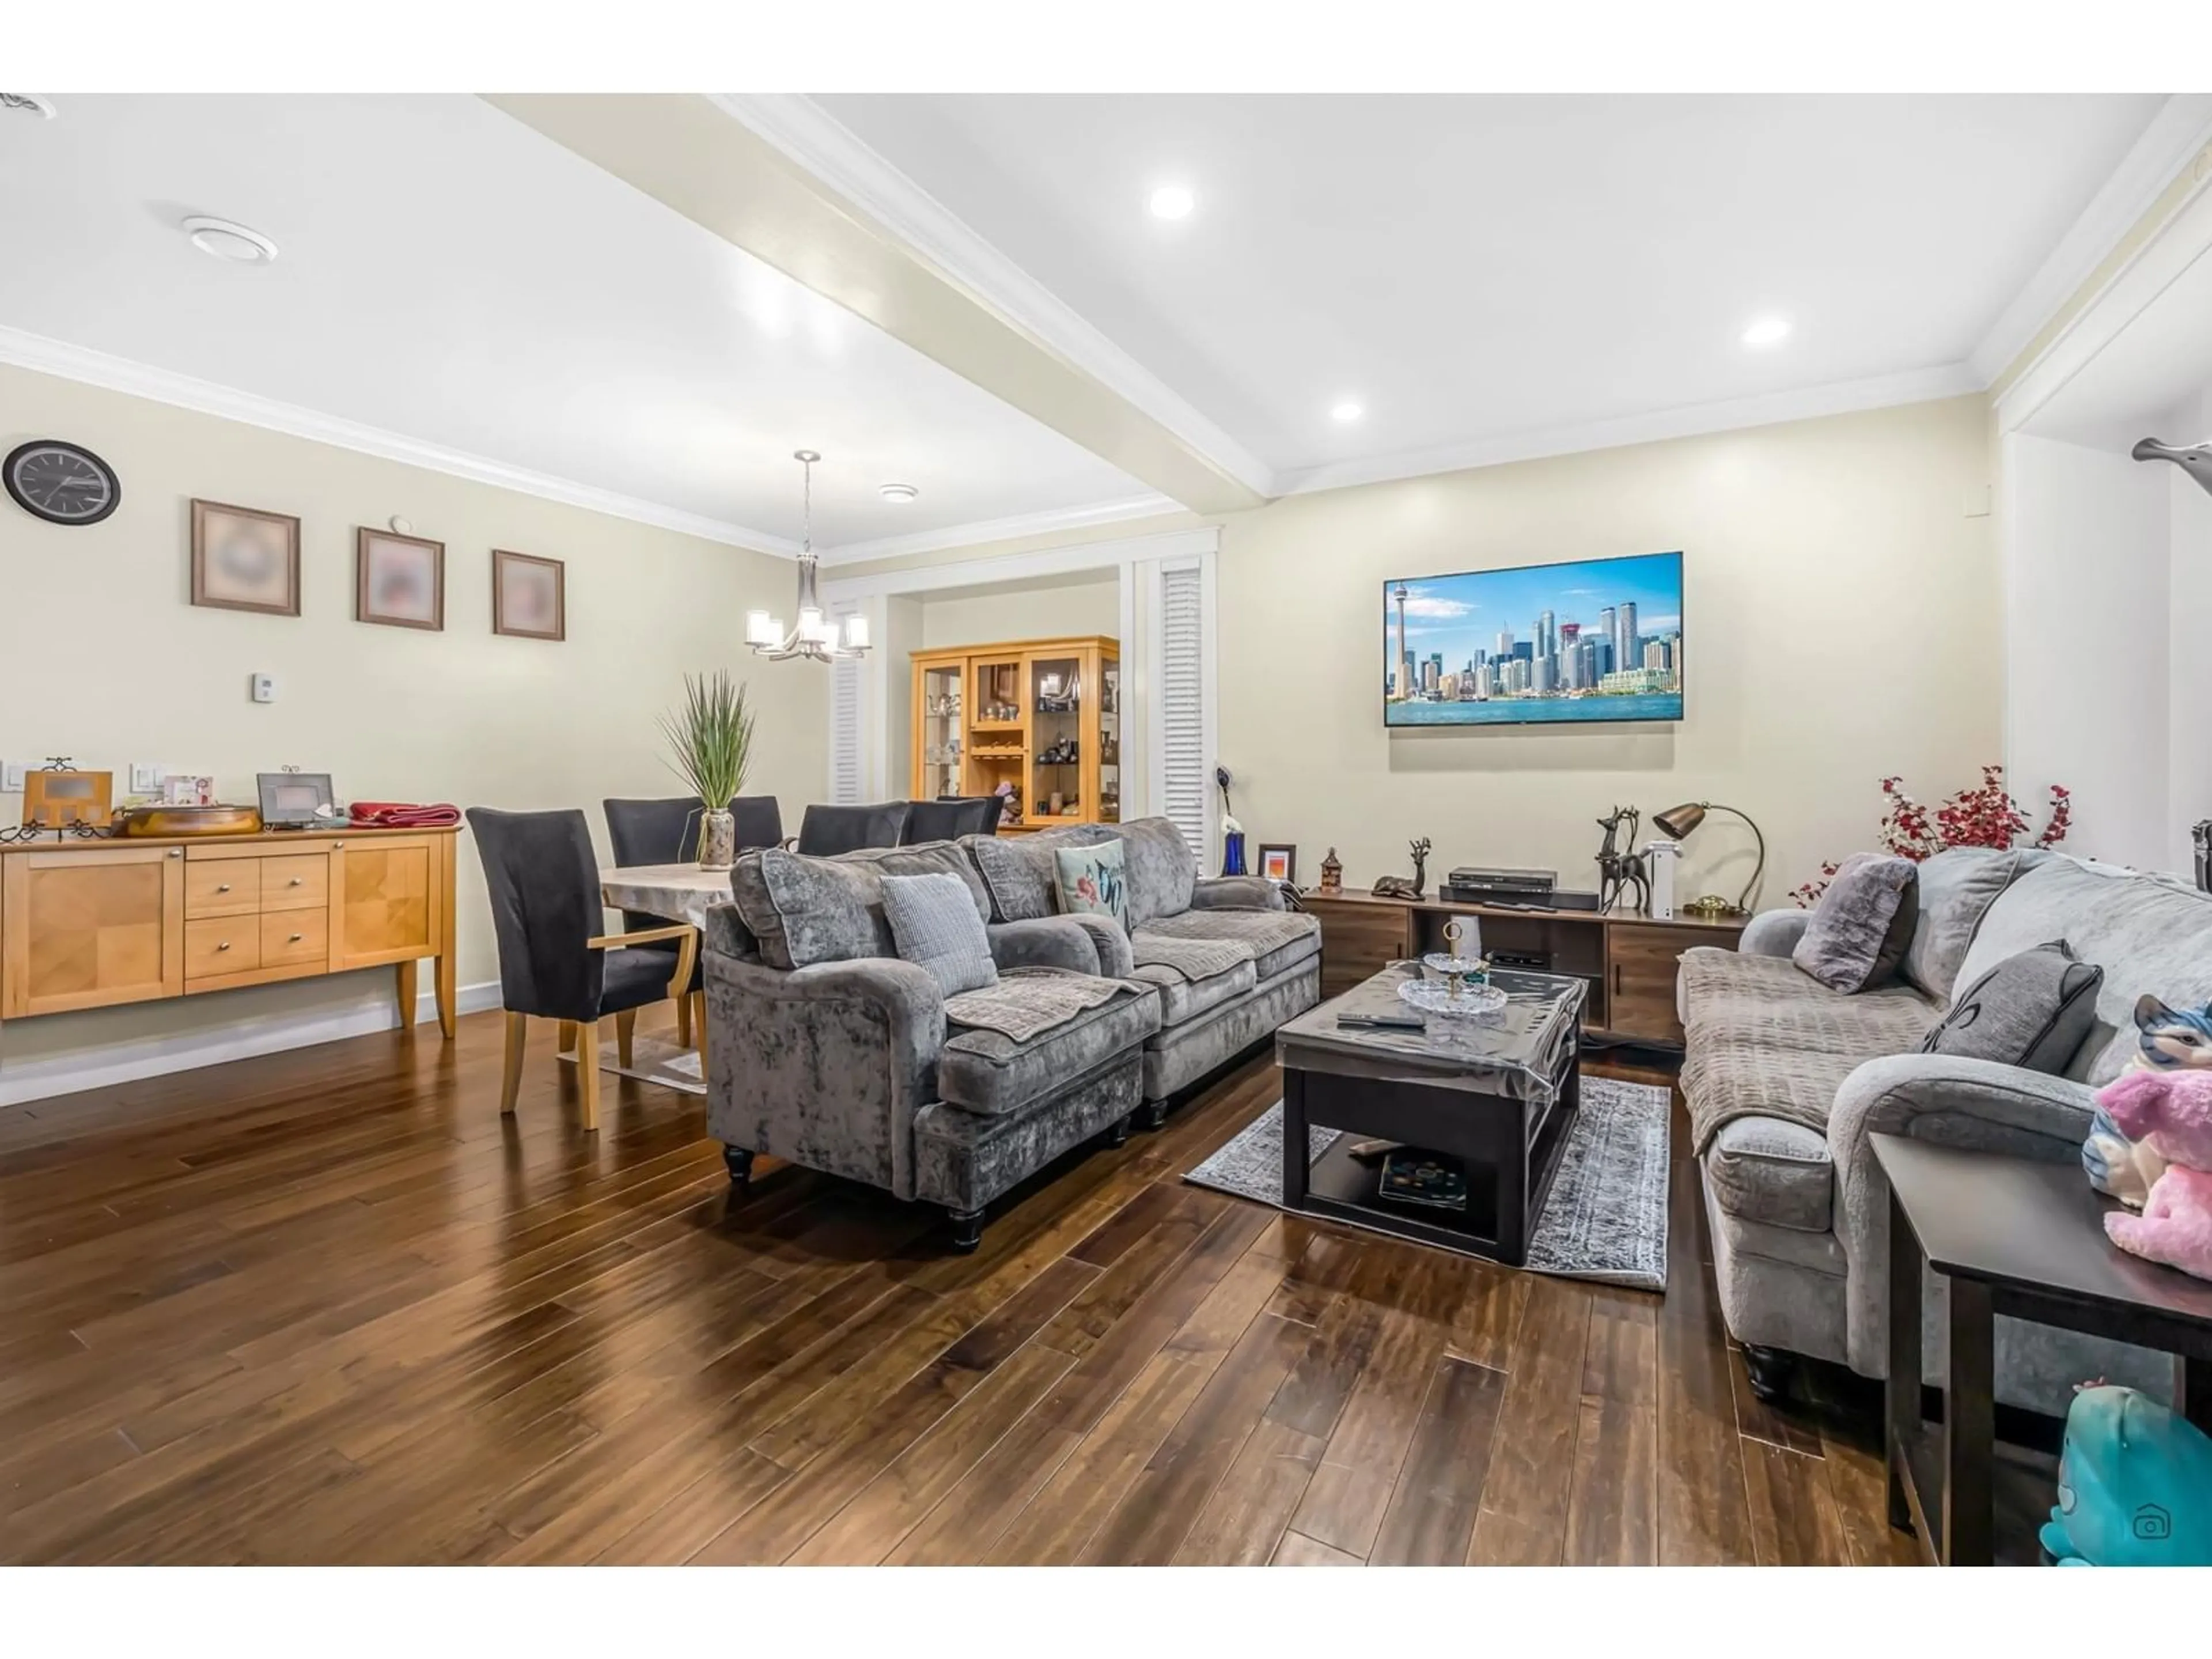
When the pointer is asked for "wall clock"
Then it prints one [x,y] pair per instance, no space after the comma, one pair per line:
[61,482]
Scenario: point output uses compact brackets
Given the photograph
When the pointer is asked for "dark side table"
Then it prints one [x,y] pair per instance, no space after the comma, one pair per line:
[2025,1240]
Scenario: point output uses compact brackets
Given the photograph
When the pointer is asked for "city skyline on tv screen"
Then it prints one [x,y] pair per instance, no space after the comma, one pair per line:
[1593,639]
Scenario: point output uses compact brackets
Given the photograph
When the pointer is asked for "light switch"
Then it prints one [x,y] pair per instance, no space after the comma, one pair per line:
[13,777]
[265,688]
[146,776]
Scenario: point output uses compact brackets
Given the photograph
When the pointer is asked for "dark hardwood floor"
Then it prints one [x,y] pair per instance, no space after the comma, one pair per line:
[329,1307]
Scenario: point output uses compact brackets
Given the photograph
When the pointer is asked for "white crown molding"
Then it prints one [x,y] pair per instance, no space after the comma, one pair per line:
[812,138]
[2181,129]
[75,362]
[1689,421]
[1002,530]
[54,1075]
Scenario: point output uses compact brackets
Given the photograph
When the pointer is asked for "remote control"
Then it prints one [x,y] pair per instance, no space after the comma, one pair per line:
[1384,1021]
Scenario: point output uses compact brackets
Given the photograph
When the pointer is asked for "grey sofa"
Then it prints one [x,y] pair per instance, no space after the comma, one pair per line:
[1214,1003]
[825,1048]
[1786,1080]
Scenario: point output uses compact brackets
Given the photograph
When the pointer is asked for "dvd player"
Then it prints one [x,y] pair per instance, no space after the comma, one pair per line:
[1516,898]
[1527,881]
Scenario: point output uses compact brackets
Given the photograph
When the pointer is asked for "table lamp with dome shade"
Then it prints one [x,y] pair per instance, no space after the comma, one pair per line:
[1677,822]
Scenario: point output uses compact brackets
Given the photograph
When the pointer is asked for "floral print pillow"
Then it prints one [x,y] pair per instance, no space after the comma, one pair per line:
[1090,881]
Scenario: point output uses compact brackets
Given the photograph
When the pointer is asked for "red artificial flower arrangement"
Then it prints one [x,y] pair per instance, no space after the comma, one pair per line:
[1986,816]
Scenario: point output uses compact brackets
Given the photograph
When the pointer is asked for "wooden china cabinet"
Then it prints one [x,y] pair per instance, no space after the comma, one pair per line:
[1044,715]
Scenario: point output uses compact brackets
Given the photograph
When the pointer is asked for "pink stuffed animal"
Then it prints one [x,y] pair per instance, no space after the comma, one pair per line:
[2172,1112]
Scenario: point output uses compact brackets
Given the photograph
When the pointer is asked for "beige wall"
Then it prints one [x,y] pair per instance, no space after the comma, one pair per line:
[1032,613]
[1844,624]
[105,660]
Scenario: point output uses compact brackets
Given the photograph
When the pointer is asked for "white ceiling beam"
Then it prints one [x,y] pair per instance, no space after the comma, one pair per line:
[694,154]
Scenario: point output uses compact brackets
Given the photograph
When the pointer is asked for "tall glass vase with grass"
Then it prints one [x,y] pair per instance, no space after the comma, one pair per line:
[710,743]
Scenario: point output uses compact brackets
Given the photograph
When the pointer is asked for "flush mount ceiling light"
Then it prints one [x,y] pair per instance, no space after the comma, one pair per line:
[815,638]
[1346,411]
[220,238]
[898,494]
[1172,202]
[1766,331]
[26,103]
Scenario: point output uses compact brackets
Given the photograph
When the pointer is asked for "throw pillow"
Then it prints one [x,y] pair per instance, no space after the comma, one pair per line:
[1859,932]
[935,923]
[1957,886]
[2032,1010]
[1089,880]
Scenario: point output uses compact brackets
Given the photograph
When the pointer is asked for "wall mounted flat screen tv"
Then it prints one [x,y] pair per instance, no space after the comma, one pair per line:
[1597,640]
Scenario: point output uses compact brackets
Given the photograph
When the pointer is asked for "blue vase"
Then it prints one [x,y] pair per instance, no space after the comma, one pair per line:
[1232,854]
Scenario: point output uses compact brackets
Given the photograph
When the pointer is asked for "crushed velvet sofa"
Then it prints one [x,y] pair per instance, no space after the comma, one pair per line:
[1786,1080]
[1256,963]
[824,1048]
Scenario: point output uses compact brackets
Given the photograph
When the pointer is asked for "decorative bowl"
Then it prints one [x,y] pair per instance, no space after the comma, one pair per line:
[1453,998]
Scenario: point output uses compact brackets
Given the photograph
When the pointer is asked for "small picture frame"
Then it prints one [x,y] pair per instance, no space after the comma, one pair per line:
[296,800]
[1279,862]
[180,789]
[529,596]
[399,581]
[244,559]
[59,799]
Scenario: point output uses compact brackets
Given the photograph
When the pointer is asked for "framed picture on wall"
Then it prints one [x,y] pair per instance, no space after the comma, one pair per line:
[398,581]
[244,559]
[529,596]
[1278,863]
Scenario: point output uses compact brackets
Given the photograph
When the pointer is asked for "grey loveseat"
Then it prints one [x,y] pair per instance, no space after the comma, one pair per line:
[1786,1080]
[825,1048]
[1229,963]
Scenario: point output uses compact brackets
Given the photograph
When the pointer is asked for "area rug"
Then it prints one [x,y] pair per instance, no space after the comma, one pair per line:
[1605,1217]
[654,1060]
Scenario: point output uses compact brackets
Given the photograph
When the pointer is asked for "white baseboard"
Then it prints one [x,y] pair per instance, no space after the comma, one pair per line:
[130,1063]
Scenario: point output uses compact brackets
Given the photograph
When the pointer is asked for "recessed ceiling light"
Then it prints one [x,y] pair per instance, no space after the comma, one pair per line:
[1172,202]
[1347,412]
[226,241]
[1765,331]
[898,492]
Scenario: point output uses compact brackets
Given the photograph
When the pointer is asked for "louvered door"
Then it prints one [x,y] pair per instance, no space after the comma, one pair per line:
[1182,760]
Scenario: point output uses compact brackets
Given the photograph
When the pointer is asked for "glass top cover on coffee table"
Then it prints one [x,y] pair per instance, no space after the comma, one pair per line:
[1514,1053]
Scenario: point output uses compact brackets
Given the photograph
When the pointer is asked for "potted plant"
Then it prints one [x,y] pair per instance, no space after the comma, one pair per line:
[710,742]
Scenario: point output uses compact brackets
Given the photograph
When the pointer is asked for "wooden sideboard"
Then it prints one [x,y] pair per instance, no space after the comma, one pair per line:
[90,924]
[1628,960]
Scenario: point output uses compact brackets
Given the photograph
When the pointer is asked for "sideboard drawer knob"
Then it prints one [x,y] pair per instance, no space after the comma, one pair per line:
[296,881]
[225,946]
[296,938]
[222,887]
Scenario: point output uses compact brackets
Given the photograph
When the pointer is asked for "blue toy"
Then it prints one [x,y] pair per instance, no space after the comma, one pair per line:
[2135,1486]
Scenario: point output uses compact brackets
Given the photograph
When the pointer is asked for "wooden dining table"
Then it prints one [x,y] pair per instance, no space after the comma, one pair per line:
[681,892]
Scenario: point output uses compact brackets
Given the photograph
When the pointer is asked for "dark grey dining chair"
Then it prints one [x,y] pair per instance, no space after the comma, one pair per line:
[826,831]
[950,816]
[554,963]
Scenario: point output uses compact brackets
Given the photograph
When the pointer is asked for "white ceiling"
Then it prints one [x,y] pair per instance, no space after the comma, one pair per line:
[1471,268]
[448,275]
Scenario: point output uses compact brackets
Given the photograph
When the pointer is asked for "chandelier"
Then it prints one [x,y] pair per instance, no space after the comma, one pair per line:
[815,636]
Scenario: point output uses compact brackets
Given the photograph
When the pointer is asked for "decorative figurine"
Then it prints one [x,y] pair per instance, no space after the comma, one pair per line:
[1232,832]
[1619,873]
[1332,875]
[2168,1114]
[1402,886]
[2135,1486]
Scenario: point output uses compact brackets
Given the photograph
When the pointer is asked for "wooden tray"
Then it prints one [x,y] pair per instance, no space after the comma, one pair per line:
[169,822]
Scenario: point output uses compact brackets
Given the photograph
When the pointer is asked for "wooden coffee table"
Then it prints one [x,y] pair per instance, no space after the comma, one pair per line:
[1497,1096]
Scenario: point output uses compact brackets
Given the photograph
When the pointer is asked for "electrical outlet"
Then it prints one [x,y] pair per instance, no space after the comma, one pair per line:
[14,777]
[146,776]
